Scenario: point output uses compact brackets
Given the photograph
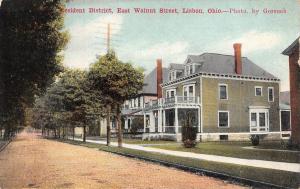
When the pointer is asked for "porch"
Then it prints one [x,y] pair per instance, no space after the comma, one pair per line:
[165,117]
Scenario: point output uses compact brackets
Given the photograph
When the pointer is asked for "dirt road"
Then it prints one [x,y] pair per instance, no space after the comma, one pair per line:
[33,162]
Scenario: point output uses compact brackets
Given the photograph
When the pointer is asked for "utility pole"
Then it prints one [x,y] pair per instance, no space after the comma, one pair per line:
[108,37]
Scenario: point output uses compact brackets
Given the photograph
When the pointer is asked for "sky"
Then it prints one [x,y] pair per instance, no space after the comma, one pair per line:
[142,38]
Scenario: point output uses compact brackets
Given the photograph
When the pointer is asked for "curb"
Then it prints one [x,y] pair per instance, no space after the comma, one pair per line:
[199,171]
[4,146]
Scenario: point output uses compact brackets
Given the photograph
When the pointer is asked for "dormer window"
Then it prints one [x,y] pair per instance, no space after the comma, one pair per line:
[189,69]
[172,75]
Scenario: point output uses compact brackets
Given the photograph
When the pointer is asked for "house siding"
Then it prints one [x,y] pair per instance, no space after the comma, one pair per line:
[179,87]
[241,95]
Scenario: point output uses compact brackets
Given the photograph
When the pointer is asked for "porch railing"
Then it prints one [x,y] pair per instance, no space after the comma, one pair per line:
[172,100]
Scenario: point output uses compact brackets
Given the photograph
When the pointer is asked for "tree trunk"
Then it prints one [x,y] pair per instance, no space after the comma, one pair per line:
[58,132]
[108,125]
[84,133]
[64,132]
[73,133]
[54,133]
[99,127]
[120,134]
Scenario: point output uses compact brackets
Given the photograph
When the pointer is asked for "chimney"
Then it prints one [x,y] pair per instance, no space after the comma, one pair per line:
[159,77]
[238,58]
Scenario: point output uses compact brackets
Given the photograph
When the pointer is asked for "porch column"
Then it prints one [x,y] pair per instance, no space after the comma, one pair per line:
[144,122]
[159,114]
[152,122]
[164,121]
[126,123]
[176,120]
[199,120]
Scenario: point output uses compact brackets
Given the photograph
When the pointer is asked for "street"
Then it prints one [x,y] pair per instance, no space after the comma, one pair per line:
[32,162]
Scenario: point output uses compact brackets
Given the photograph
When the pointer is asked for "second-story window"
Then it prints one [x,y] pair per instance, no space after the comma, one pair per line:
[189,90]
[270,94]
[171,93]
[258,91]
[223,92]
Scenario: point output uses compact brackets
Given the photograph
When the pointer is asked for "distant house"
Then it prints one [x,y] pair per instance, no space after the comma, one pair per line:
[285,114]
[132,108]
[226,97]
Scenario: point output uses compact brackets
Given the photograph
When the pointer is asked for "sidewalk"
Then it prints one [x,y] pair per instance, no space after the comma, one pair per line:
[292,167]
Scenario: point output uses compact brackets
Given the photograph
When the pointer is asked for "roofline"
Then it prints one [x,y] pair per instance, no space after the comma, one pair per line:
[145,94]
[288,50]
[229,76]
[216,54]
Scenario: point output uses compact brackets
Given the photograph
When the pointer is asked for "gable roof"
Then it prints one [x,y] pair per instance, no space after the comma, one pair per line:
[174,66]
[290,49]
[224,64]
[150,81]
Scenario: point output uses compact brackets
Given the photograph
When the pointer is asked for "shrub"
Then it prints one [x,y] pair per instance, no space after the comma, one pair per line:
[137,124]
[254,140]
[189,135]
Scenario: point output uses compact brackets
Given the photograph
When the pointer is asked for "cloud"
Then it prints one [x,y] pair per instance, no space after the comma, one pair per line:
[164,49]
[252,41]
[145,55]
[88,40]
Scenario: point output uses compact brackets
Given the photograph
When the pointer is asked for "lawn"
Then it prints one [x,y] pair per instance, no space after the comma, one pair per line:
[136,141]
[235,149]
[277,177]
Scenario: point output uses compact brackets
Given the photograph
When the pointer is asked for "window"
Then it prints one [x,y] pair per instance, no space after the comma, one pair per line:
[188,90]
[262,119]
[285,120]
[223,137]
[223,119]
[270,94]
[259,120]
[171,93]
[189,69]
[258,91]
[253,120]
[172,75]
[223,93]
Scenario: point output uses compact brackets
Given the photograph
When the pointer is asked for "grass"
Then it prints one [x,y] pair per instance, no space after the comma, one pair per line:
[135,141]
[234,149]
[277,177]
[139,141]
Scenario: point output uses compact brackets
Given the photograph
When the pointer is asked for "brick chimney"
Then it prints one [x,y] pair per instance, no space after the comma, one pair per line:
[238,58]
[159,77]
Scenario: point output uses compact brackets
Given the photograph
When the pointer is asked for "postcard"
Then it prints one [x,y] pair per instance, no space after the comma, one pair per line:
[149,94]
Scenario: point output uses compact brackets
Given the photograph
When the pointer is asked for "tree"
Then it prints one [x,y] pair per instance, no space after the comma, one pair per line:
[117,81]
[31,37]
[70,100]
